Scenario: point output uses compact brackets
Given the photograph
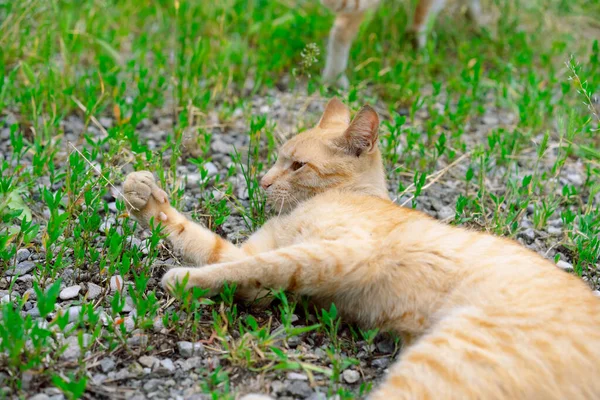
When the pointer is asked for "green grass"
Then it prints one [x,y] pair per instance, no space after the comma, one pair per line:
[120,67]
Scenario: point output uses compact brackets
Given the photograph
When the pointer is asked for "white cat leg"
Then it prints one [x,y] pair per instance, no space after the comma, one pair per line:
[426,11]
[341,36]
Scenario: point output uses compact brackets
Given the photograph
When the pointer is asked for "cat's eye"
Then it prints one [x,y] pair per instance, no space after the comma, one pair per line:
[296,165]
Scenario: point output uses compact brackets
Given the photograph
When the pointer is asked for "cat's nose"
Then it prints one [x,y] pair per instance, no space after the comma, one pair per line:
[265,183]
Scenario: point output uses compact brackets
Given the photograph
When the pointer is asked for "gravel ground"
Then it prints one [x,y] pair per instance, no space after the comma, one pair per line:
[155,363]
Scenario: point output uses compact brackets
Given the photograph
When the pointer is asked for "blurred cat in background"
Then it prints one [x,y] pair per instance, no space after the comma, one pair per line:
[349,15]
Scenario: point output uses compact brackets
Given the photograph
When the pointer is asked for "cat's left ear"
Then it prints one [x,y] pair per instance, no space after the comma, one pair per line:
[336,113]
[362,134]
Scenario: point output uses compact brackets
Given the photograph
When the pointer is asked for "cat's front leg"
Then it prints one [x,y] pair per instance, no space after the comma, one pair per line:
[145,200]
[310,268]
[341,36]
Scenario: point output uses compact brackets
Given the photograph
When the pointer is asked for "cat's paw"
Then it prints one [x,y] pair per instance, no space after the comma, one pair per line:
[189,278]
[144,198]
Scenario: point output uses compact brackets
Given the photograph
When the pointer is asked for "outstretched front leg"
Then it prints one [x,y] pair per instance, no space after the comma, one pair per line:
[145,200]
[308,269]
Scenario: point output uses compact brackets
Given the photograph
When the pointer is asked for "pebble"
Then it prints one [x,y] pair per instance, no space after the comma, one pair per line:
[446,213]
[256,396]
[294,376]
[564,265]
[300,389]
[167,364]
[380,363]
[596,293]
[528,234]
[149,361]
[107,364]
[93,291]
[294,341]
[188,349]
[129,306]
[40,396]
[99,378]
[386,346]
[22,268]
[129,324]
[552,230]
[74,313]
[116,283]
[70,292]
[317,396]
[575,179]
[211,169]
[22,255]
[72,351]
[151,385]
[351,376]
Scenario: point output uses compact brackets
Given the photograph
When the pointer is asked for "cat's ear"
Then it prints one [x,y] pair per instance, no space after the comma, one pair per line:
[362,134]
[336,113]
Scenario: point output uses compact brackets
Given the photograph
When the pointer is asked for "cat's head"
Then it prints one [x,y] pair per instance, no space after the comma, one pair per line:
[336,154]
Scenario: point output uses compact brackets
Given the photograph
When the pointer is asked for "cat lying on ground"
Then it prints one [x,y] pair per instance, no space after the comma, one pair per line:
[489,318]
[349,15]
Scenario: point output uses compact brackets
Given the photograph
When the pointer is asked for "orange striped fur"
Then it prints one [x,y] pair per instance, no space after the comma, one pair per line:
[489,319]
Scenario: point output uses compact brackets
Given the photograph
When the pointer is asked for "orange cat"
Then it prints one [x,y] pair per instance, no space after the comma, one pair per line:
[490,319]
[349,15]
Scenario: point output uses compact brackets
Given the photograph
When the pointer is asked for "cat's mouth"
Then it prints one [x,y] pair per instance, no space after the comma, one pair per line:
[282,203]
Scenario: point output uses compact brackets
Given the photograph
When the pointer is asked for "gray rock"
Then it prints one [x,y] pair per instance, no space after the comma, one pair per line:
[22,268]
[446,213]
[129,306]
[575,179]
[528,234]
[158,325]
[256,396]
[151,385]
[72,351]
[596,293]
[129,324]
[107,364]
[167,365]
[99,378]
[70,292]
[380,363]
[351,376]
[211,169]
[34,312]
[188,349]
[40,396]
[294,376]
[149,361]
[74,313]
[300,389]
[190,363]
[552,230]
[386,346]
[564,265]
[294,341]
[93,291]
[117,283]
[22,255]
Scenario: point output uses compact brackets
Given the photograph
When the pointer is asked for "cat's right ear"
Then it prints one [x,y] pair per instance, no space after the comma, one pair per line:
[336,113]
[361,136]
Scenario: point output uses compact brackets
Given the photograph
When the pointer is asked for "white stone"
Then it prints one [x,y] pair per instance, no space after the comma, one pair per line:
[70,292]
[351,376]
[564,265]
